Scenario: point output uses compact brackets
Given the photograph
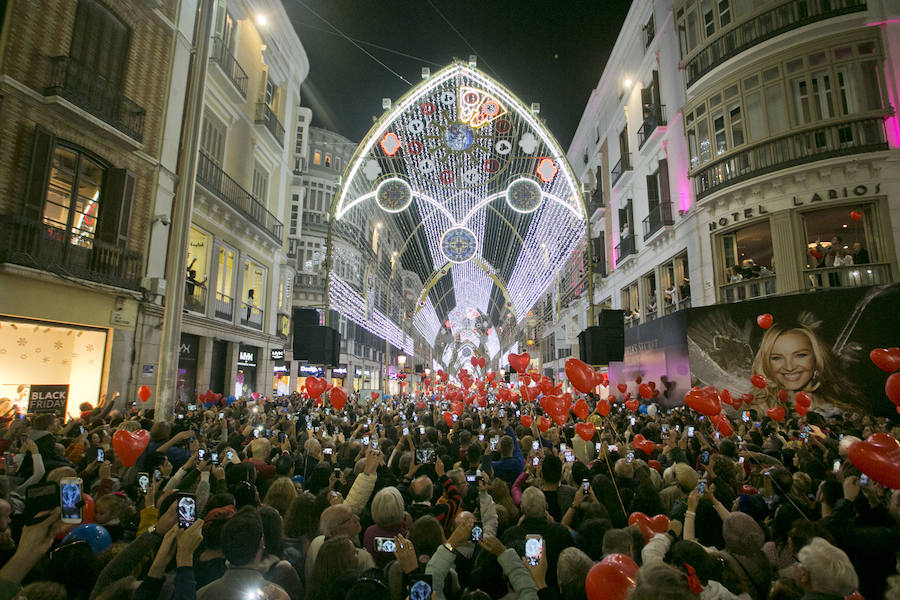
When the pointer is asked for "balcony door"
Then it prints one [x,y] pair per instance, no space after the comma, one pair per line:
[100,42]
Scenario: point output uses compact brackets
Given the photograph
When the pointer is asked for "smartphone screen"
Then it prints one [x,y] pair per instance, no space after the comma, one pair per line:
[385,544]
[534,549]
[836,467]
[632,421]
[598,446]
[214,456]
[629,457]
[187,510]
[570,456]
[535,461]
[70,499]
[535,445]
[562,448]
[480,437]
[201,454]
[100,455]
[863,479]
[406,431]
[701,487]
[157,475]
[420,589]
[143,481]
[586,485]
[477,532]
[421,431]
[10,463]
[745,416]
[690,432]
[330,450]
[704,457]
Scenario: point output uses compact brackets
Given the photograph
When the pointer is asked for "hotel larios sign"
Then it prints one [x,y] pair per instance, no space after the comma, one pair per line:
[831,194]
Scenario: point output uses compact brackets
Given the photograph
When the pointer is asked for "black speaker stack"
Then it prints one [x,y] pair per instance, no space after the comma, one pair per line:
[604,343]
[314,343]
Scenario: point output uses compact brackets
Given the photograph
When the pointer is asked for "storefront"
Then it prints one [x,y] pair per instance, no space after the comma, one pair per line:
[188,352]
[281,371]
[339,375]
[306,370]
[50,367]
[245,381]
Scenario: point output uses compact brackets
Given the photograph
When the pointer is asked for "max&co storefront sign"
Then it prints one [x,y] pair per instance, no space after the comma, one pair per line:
[247,356]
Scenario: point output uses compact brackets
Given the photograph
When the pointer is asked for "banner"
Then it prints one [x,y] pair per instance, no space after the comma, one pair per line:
[48,399]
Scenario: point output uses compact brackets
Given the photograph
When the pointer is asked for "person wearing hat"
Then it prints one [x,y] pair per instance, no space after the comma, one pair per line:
[684,480]
[743,554]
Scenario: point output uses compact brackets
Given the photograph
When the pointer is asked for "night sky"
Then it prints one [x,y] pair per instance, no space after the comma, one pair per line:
[547,52]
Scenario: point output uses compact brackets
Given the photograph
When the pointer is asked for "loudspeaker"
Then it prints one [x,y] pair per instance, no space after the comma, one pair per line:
[305,316]
[317,344]
[612,319]
[601,345]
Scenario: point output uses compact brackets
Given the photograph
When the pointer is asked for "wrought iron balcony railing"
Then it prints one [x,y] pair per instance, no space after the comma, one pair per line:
[654,116]
[195,297]
[92,93]
[29,242]
[817,143]
[221,54]
[265,116]
[781,19]
[849,276]
[625,248]
[214,179]
[660,216]
[224,306]
[747,289]
[251,316]
[620,167]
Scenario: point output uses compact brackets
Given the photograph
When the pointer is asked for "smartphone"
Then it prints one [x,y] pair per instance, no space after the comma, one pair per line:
[613,448]
[480,437]
[483,426]
[632,421]
[470,478]
[421,431]
[718,435]
[10,463]
[745,416]
[187,510]
[570,456]
[214,457]
[534,549]
[477,532]
[535,461]
[365,440]
[192,407]
[221,415]
[665,430]
[494,441]
[701,487]
[704,457]
[420,587]
[836,467]
[863,480]
[100,455]
[502,413]
[329,451]
[39,498]
[143,481]
[598,446]
[629,457]
[385,544]
[201,454]
[585,485]
[562,448]
[406,431]
[157,475]
[690,432]
[535,445]
[425,455]
[741,460]
[229,455]
[455,417]
[374,445]
[70,499]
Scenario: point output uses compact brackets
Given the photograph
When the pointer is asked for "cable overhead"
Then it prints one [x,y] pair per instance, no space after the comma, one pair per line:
[349,39]
[373,45]
[465,41]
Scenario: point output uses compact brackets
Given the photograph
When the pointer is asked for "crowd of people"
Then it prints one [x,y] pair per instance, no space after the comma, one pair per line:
[409,497]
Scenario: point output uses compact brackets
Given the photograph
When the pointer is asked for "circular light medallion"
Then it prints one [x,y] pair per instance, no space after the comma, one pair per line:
[524,195]
[459,244]
[393,195]
[459,137]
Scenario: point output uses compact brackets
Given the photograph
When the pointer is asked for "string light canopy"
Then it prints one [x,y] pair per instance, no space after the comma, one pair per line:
[489,203]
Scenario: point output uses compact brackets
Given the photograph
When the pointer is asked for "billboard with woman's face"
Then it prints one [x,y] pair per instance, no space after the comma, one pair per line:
[818,344]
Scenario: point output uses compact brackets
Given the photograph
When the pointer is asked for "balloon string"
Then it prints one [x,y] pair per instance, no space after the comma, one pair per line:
[612,475]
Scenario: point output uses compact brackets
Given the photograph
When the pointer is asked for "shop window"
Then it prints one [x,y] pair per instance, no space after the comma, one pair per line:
[197,270]
[73,196]
[225,266]
[841,252]
[747,263]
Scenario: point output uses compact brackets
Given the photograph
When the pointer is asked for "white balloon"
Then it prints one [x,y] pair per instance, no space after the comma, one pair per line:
[652,410]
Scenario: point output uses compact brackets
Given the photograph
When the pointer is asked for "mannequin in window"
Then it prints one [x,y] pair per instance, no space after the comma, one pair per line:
[251,294]
[651,303]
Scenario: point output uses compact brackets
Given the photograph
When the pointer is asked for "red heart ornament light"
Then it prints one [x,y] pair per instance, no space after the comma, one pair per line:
[144,393]
[765,320]
[856,215]
[129,445]
[581,409]
[649,527]
[585,431]
[519,362]
[526,420]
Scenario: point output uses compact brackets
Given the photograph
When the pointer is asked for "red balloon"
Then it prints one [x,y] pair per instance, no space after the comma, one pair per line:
[546,385]
[458,408]
[776,413]
[649,527]
[315,386]
[879,458]
[129,445]
[724,427]
[603,407]
[474,361]
[645,391]
[338,397]
[519,362]
[544,424]
[561,418]
[892,389]
[782,395]
[758,381]
[638,379]
[856,215]
[764,320]
[725,397]
[612,578]
[144,393]
[420,405]
[632,404]
[886,359]
[448,418]
[88,510]
[526,420]
[801,399]
[585,431]
[374,396]
[580,374]
[642,443]
[654,464]
[623,387]
[581,409]
[704,401]
[801,410]
[482,362]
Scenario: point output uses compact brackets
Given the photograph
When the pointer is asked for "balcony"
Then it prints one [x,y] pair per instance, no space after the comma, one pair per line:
[251,316]
[654,116]
[819,143]
[30,243]
[747,289]
[226,189]
[619,168]
[781,19]
[596,201]
[315,221]
[224,306]
[672,304]
[660,216]
[265,116]
[851,276]
[93,94]
[221,55]
[625,248]
[195,297]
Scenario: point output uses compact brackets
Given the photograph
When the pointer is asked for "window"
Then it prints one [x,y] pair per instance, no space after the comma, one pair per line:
[651,299]
[225,265]
[736,120]
[253,298]
[317,158]
[100,42]
[72,205]
[675,284]
[298,144]
[212,138]
[271,89]
[260,186]
[197,271]
[293,223]
[724,13]
[328,160]
[746,259]
[831,235]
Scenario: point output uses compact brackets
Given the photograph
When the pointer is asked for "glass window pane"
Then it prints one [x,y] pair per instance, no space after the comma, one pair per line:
[757,128]
[60,188]
[775,109]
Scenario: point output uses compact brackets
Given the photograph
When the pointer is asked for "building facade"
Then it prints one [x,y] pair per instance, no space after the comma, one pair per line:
[730,148]
[83,117]
[238,281]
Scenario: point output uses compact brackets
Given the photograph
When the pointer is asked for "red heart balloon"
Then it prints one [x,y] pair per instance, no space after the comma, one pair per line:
[776,413]
[649,527]
[458,408]
[481,401]
[482,362]
[544,424]
[886,359]
[638,379]
[580,374]
[474,361]
[892,389]
[603,407]
[782,395]
[448,418]
[704,401]
[546,385]
[374,396]
[490,376]
[765,320]
[758,381]
[129,445]
[581,409]
[724,427]
[526,420]
[856,215]
[338,397]
[613,578]
[801,410]
[622,387]
[315,386]
[519,362]
[585,431]
[645,391]
[801,399]
[420,405]
[144,393]
[816,254]
[879,458]
[726,398]
[655,464]
[632,404]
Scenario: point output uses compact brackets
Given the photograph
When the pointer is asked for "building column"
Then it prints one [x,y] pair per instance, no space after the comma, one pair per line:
[788,254]
[204,363]
[231,358]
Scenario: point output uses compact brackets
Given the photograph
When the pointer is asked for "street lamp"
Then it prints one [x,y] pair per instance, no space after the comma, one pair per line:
[401,360]
[427,372]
